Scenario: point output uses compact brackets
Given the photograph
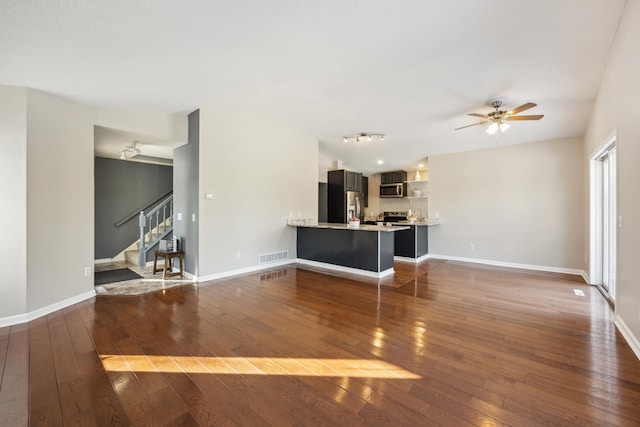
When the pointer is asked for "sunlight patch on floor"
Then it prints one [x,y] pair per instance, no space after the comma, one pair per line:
[354,368]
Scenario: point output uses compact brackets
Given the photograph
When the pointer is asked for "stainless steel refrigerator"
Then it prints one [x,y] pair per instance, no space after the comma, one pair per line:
[343,205]
[354,205]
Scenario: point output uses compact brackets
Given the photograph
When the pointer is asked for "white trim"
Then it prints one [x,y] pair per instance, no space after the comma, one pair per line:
[585,277]
[349,270]
[631,339]
[411,260]
[594,238]
[511,264]
[32,315]
[246,270]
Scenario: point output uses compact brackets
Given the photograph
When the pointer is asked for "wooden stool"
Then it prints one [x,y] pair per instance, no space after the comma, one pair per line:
[168,256]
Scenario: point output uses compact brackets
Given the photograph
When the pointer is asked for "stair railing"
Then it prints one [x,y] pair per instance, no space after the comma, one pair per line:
[155,225]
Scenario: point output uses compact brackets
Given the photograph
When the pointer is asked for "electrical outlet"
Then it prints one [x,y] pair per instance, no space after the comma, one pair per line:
[238,255]
[472,246]
[209,196]
[87,271]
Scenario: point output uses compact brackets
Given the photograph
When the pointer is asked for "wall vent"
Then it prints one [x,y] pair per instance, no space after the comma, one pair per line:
[273,257]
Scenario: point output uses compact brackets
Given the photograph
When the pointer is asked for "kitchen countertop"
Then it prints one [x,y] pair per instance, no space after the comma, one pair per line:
[423,223]
[363,227]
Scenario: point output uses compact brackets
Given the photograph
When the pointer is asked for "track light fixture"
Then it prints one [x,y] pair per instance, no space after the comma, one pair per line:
[363,136]
[130,151]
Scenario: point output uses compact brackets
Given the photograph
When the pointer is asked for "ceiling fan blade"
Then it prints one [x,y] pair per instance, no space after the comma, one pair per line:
[533,117]
[475,124]
[521,108]
[482,116]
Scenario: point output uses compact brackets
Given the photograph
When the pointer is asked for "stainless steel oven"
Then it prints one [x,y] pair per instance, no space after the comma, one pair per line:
[393,190]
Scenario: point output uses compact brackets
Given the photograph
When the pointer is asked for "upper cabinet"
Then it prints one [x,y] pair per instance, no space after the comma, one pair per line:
[395,177]
[346,180]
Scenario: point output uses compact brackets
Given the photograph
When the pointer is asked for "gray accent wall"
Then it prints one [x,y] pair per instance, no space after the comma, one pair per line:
[186,191]
[121,188]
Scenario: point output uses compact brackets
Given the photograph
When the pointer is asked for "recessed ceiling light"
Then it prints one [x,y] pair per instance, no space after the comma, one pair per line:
[380,162]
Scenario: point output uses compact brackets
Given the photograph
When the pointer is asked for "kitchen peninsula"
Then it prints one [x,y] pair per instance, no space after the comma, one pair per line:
[367,250]
[412,244]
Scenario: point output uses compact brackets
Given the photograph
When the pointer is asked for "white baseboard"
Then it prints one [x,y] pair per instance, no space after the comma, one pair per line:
[632,340]
[240,271]
[32,315]
[349,270]
[411,260]
[575,272]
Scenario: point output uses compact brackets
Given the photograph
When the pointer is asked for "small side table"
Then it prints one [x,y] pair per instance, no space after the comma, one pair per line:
[168,256]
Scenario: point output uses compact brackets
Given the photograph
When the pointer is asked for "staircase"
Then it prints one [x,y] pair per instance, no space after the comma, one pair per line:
[154,226]
[132,253]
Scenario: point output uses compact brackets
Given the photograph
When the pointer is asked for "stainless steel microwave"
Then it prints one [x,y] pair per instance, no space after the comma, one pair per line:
[393,190]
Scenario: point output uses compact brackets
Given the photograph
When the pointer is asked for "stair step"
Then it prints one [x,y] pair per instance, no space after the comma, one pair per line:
[132,257]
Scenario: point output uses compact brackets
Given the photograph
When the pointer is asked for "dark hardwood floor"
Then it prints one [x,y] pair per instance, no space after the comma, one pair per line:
[440,343]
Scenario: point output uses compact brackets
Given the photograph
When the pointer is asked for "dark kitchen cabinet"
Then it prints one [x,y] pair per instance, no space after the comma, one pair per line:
[354,181]
[323,197]
[411,243]
[393,177]
[365,190]
[347,180]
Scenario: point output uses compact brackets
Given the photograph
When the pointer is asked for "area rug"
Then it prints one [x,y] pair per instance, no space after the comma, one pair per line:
[138,287]
[112,276]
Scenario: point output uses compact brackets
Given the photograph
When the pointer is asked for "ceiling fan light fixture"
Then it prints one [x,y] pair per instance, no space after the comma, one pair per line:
[130,151]
[497,118]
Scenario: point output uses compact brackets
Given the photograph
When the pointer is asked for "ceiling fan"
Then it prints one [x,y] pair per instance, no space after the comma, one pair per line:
[498,118]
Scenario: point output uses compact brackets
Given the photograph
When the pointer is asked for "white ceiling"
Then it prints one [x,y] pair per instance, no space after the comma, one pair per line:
[410,69]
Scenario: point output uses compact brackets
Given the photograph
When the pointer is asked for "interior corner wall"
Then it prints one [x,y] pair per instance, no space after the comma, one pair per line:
[520,204]
[59,199]
[186,189]
[616,110]
[260,171]
[13,215]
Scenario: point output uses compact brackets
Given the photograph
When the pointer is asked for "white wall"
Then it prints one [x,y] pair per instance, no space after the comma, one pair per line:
[60,201]
[616,108]
[13,215]
[158,125]
[519,204]
[259,169]
[325,164]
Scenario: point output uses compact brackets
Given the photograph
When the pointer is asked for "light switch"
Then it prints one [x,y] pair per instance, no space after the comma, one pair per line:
[193,217]
[209,196]
[179,216]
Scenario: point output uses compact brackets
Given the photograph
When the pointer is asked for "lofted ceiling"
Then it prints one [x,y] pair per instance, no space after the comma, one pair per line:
[409,69]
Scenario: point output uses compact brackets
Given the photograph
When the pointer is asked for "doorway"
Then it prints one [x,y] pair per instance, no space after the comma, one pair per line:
[604,220]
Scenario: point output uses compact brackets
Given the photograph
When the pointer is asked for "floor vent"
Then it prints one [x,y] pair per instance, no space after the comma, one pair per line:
[578,292]
[273,257]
